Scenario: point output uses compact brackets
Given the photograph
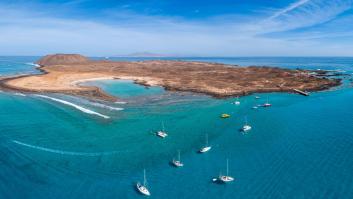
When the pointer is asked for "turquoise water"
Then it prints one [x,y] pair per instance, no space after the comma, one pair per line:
[301,147]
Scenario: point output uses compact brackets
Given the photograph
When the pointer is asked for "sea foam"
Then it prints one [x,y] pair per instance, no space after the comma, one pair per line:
[20,94]
[61,152]
[32,64]
[85,110]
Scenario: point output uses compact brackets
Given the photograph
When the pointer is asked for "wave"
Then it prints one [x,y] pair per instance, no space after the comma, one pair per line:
[106,106]
[20,94]
[85,110]
[32,64]
[120,102]
[64,152]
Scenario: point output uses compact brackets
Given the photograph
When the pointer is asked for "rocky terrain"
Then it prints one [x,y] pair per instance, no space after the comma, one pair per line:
[63,73]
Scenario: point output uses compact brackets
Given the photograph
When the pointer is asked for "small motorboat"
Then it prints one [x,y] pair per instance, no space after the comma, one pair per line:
[224,115]
[257,97]
[177,163]
[142,188]
[206,147]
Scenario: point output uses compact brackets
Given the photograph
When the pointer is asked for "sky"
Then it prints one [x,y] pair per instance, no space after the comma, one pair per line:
[177,27]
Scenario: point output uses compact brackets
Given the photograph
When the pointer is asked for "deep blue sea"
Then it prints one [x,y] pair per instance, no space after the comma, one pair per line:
[62,147]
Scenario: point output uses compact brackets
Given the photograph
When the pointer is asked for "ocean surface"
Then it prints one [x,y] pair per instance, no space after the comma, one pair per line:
[59,146]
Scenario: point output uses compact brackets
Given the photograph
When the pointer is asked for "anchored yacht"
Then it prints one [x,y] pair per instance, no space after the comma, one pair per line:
[142,188]
[206,147]
[177,162]
[162,133]
[224,178]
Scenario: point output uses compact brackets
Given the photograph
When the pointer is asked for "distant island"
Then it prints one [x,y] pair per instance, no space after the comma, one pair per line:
[63,73]
[146,54]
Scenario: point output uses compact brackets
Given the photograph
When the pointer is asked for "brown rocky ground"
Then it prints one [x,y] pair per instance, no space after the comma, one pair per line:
[63,74]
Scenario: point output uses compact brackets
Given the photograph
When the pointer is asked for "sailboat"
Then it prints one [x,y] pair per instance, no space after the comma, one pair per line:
[178,163]
[267,104]
[206,147]
[246,126]
[224,178]
[162,133]
[142,188]
[237,102]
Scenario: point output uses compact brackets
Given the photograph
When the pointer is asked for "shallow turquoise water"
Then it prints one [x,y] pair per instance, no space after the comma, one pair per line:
[299,148]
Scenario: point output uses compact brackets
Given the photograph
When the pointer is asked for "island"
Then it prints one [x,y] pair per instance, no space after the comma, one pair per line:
[64,73]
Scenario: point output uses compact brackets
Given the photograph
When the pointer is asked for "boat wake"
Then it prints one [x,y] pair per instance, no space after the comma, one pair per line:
[106,106]
[92,154]
[85,110]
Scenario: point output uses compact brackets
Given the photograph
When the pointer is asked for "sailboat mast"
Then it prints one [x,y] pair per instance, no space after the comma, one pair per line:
[163,126]
[206,139]
[227,167]
[144,177]
[179,155]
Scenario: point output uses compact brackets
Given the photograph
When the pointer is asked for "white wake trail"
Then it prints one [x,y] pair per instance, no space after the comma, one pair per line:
[106,106]
[85,110]
[63,152]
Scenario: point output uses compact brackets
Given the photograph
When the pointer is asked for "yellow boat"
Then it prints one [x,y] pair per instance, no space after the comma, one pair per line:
[224,115]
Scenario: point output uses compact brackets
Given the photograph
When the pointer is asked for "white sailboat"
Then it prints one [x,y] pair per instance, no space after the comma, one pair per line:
[206,147]
[224,178]
[162,133]
[142,188]
[237,102]
[267,104]
[178,163]
[246,126]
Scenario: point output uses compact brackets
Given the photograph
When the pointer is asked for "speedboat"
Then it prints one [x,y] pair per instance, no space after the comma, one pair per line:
[206,147]
[255,107]
[257,97]
[142,188]
[224,115]
[177,163]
